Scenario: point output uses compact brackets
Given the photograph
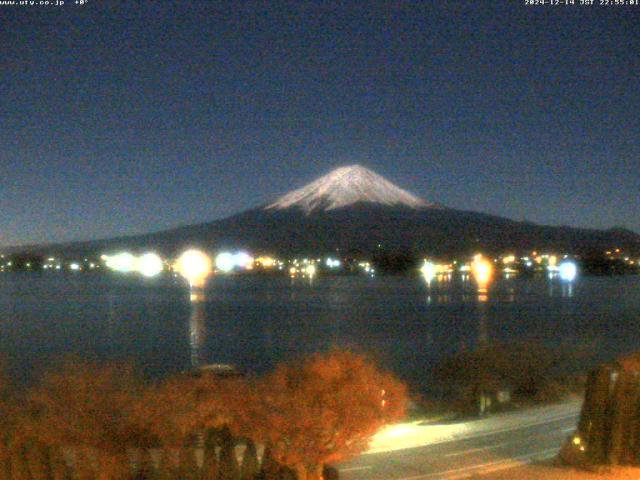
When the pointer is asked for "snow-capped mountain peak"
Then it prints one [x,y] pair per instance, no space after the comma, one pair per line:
[346,186]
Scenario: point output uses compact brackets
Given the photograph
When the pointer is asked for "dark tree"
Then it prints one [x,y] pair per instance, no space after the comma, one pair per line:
[250,466]
[228,465]
[269,469]
[210,466]
[188,469]
[609,428]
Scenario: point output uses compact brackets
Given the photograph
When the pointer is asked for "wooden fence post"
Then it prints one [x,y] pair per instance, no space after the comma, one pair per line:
[609,425]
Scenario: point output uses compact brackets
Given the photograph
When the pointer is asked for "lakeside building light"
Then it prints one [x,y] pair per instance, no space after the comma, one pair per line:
[310,270]
[509,259]
[225,262]
[568,271]
[429,271]
[332,262]
[122,262]
[149,265]
[482,270]
[266,262]
[195,266]
[444,269]
[366,266]
[243,260]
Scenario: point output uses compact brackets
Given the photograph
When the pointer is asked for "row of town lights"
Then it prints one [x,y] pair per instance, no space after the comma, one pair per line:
[193,265]
[149,264]
[196,266]
[482,270]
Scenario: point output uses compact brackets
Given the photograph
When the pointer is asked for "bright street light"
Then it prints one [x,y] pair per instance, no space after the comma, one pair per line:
[195,266]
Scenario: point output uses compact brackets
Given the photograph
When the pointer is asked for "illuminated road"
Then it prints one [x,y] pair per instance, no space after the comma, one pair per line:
[491,445]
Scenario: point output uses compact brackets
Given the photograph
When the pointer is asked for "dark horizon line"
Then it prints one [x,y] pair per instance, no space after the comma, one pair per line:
[124,237]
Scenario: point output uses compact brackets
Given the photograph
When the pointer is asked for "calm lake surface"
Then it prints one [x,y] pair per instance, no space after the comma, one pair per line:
[255,322]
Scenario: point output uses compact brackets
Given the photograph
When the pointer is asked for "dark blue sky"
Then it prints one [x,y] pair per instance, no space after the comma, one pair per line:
[125,117]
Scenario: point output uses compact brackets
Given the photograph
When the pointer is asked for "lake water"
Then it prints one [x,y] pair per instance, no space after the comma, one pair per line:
[255,322]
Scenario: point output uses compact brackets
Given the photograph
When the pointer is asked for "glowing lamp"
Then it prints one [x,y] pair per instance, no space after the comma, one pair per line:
[332,263]
[122,262]
[429,271]
[482,270]
[225,262]
[149,265]
[195,266]
[568,271]
[509,259]
[266,262]
[311,270]
[242,260]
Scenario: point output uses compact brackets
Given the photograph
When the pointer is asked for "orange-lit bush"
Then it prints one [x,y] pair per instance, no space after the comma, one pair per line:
[324,410]
[184,405]
[7,426]
[86,421]
[87,410]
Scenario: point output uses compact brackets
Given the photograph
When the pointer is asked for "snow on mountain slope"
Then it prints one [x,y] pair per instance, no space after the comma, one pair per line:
[346,186]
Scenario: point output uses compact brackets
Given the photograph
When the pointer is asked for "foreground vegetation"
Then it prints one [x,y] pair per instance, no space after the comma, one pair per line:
[85,421]
[506,375]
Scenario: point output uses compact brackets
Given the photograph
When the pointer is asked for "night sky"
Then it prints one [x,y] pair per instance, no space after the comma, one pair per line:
[126,117]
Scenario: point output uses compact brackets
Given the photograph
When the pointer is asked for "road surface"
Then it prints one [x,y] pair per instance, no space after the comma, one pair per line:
[473,449]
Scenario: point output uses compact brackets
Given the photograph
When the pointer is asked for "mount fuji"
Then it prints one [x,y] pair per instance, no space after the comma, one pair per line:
[353,210]
[347,186]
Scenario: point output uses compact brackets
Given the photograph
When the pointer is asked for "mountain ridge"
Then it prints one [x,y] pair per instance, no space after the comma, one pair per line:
[355,210]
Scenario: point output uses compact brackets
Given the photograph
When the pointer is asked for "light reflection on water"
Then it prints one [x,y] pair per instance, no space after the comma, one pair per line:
[255,322]
[197,327]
